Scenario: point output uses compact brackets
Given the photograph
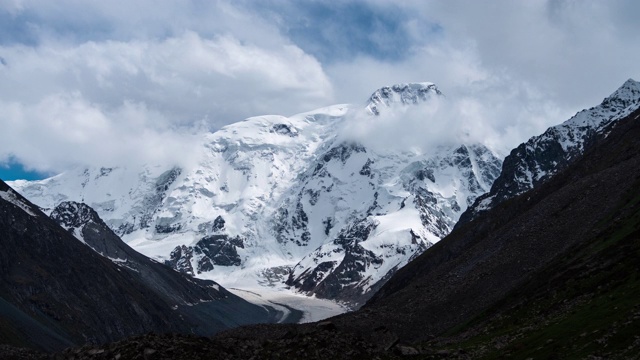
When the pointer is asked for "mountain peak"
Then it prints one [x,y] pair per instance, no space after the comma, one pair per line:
[631,82]
[409,93]
[630,90]
[620,103]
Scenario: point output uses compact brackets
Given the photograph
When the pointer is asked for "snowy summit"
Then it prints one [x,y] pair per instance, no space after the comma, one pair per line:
[289,203]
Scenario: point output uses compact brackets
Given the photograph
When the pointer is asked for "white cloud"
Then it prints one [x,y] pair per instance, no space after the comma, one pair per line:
[576,52]
[513,67]
[482,112]
[90,96]
[79,74]
[407,128]
[65,130]
[186,77]
[481,106]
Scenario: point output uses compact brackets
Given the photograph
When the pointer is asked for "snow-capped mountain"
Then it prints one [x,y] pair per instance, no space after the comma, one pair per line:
[276,199]
[542,156]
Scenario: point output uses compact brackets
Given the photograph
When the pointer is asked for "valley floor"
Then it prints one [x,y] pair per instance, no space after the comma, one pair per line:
[296,308]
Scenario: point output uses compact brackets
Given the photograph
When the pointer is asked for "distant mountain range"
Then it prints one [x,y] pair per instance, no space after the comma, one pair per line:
[546,272]
[290,202]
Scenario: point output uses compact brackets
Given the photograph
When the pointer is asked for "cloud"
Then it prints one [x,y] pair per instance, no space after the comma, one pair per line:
[521,67]
[66,130]
[570,50]
[484,113]
[186,77]
[419,128]
[482,106]
[508,69]
[99,92]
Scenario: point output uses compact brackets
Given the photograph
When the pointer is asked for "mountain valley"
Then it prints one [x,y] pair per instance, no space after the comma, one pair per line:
[544,262]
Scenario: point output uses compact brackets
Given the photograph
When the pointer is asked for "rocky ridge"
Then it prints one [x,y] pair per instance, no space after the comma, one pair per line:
[543,156]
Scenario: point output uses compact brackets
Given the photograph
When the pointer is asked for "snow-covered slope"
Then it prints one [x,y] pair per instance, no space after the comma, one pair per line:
[366,213]
[542,156]
[276,199]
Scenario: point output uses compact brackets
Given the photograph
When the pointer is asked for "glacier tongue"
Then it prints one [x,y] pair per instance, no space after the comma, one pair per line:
[287,202]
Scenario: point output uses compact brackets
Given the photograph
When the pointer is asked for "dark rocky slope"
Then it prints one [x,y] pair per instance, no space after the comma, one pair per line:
[552,273]
[56,291]
[585,302]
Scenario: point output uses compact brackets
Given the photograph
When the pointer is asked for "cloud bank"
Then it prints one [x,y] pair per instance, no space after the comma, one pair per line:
[88,82]
[67,100]
[484,115]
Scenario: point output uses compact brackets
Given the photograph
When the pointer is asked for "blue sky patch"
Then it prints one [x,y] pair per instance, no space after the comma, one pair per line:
[16,171]
[338,31]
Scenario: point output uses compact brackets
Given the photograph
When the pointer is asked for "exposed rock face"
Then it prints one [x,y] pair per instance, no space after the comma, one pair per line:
[341,279]
[85,224]
[212,250]
[218,224]
[380,231]
[543,156]
[284,129]
[180,259]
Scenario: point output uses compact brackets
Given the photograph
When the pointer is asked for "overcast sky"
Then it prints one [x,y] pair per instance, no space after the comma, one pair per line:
[98,82]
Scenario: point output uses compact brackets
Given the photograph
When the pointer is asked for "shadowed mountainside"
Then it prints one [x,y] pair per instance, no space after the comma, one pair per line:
[56,291]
